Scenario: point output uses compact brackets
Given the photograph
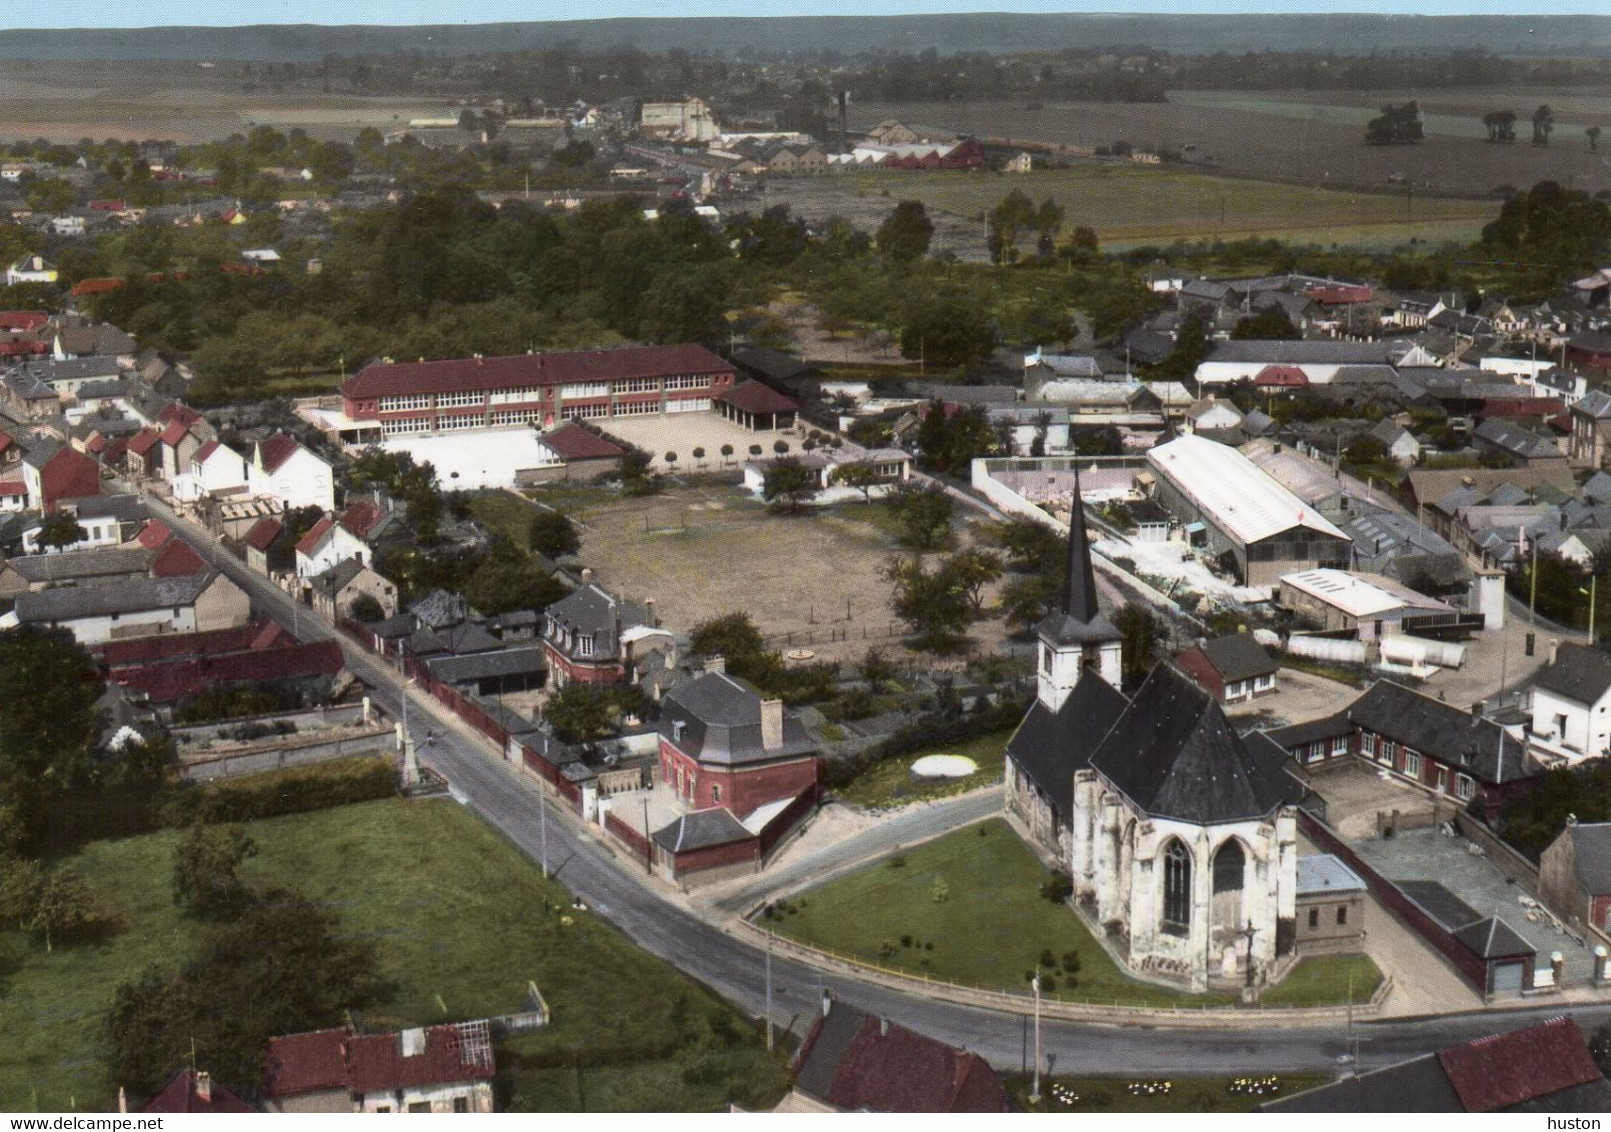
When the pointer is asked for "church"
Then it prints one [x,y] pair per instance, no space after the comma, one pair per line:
[1180,835]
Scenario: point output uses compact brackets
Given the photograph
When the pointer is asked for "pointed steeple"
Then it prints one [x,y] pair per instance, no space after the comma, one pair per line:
[1079,587]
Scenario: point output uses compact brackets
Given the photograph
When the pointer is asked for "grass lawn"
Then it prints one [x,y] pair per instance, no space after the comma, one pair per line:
[506,513]
[988,928]
[1186,1094]
[462,922]
[1325,980]
[890,783]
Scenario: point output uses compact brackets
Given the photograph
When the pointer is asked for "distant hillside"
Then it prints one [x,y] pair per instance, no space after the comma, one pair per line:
[1343,33]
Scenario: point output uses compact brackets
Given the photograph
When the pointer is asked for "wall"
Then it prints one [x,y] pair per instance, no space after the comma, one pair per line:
[1327,937]
[222,605]
[278,752]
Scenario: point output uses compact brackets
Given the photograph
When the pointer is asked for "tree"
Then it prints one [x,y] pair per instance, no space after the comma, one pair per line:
[366,609]
[502,584]
[1142,633]
[1026,600]
[553,534]
[905,234]
[1397,125]
[727,453]
[62,905]
[1271,324]
[580,713]
[922,517]
[946,328]
[1543,124]
[48,686]
[876,669]
[284,966]
[972,570]
[59,530]
[1191,347]
[1501,126]
[206,869]
[573,155]
[1531,821]
[1031,547]
[931,602]
[863,475]
[789,485]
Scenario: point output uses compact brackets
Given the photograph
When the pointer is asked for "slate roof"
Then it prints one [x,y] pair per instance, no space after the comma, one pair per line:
[438,608]
[1417,1085]
[592,611]
[485,665]
[1050,746]
[1596,403]
[1173,753]
[1325,873]
[858,1063]
[1519,442]
[1065,365]
[1238,656]
[1492,938]
[1080,619]
[721,723]
[68,603]
[1591,845]
[1299,734]
[1442,731]
[1580,673]
[701,829]
[73,565]
[1310,351]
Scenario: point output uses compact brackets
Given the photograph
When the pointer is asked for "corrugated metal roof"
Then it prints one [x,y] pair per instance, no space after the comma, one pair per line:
[1231,489]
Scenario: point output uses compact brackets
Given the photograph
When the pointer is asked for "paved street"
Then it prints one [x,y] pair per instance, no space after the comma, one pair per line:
[736,969]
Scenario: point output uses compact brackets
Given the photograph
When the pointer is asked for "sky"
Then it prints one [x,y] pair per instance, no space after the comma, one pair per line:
[123,13]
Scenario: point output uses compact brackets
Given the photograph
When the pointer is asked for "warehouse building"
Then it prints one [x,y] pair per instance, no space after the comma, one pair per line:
[1240,514]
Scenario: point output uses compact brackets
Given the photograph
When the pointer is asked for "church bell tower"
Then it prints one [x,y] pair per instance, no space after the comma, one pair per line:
[1078,636]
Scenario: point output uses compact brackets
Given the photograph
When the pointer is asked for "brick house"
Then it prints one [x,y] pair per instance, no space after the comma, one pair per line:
[723,745]
[54,472]
[1231,668]
[590,636]
[1574,874]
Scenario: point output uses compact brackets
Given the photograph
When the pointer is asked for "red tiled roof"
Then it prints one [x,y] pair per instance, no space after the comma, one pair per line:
[95,286]
[107,206]
[6,441]
[361,517]
[1506,1069]
[570,441]
[180,1095]
[522,371]
[23,320]
[263,533]
[205,451]
[169,646]
[13,487]
[166,683]
[1521,407]
[1339,293]
[143,441]
[309,542]
[177,560]
[270,635]
[376,1062]
[888,1068]
[365,1063]
[114,449]
[23,347]
[305,1063]
[1281,376]
[276,450]
[756,397]
[154,534]
[174,433]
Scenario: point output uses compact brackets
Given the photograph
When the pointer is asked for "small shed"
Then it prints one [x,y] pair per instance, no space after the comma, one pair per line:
[1331,906]
[1231,668]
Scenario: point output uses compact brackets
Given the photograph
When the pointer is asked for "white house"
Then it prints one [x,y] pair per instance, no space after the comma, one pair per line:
[142,608]
[1400,442]
[31,269]
[284,470]
[892,466]
[326,544]
[217,467]
[1569,706]
[1212,414]
[68,225]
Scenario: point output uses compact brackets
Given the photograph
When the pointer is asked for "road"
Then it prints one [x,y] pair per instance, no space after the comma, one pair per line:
[736,969]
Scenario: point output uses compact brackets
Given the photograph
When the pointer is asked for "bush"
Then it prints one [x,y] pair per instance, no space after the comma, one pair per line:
[1058,888]
[292,791]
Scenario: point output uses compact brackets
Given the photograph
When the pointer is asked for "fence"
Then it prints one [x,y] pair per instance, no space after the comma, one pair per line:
[1466,961]
[1207,1015]
[634,841]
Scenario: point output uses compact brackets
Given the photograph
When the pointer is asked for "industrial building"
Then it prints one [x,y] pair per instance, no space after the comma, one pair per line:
[1239,513]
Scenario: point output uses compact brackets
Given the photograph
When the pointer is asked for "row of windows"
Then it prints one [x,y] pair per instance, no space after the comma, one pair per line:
[574,411]
[463,397]
[1342,916]
[1317,750]
[636,408]
[638,385]
[689,381]
[690,405]
[461,420]
[587,389]
[514,416]
[1386,752]
[406,424]
[406,401]
[514,396]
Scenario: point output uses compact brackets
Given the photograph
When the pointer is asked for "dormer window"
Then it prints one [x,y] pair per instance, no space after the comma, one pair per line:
[584,646]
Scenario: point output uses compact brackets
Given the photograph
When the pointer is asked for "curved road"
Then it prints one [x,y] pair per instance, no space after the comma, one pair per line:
[503,797]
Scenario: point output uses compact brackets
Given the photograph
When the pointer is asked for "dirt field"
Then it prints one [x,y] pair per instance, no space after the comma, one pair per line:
[700,552]
[1297,137]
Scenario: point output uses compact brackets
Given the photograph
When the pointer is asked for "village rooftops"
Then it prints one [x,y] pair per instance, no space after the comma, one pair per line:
[756,397]
[1578,673]
[1308,351]
[1238,657]
[1358,595]
[520,371]
[67,603]
[369,1063]
[1463,739]
[593,612]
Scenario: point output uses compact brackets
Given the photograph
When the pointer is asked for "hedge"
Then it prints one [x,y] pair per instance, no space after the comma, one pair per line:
[292,791]
[928,733]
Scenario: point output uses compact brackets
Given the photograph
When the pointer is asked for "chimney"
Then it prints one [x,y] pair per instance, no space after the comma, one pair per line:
[827,1003]
[587,575]
[1554,647]
[648,604]
[771,724]
[883,1027]
[204,1085]
[1476,708]
[715,664]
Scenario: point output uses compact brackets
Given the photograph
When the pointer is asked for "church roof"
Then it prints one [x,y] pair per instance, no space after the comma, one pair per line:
[1174,755]
[1050,746]
[1080,619]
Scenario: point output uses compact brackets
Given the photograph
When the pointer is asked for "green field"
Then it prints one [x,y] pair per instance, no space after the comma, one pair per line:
[1129,205]
[890,783]
[462,922]
[989,930]
[1186,1094]
[1329,978]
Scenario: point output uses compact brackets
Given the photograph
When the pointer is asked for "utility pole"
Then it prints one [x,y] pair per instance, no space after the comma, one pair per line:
[1034,1092]
[542,824]
[648,858]
[769,991]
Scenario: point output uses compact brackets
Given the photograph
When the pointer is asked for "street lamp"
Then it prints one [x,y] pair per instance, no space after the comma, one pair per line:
[1592,592]
[1034,1092]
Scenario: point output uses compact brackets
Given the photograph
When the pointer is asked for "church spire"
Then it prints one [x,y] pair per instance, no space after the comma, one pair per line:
[1079,589]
